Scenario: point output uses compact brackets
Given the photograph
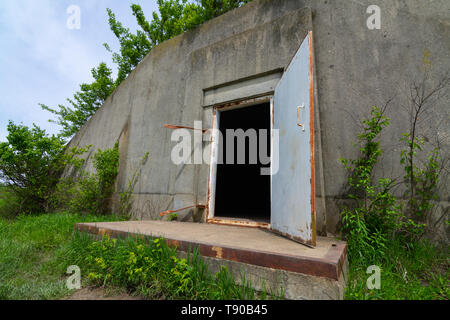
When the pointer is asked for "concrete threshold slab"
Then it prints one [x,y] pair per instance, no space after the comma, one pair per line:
[251,246]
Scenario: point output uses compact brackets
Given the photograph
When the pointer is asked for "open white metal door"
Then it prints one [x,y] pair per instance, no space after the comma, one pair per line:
[292,203]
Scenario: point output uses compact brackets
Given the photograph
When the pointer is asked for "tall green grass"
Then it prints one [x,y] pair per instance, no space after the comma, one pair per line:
[153,270]
[416,271]
[33,254]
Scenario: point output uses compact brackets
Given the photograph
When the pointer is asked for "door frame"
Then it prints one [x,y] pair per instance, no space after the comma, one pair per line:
[264,98]
[212,181]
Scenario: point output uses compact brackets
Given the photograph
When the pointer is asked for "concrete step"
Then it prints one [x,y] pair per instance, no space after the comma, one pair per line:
[264,257]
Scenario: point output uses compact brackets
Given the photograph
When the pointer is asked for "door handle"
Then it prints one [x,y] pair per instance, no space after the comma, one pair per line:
[301,107]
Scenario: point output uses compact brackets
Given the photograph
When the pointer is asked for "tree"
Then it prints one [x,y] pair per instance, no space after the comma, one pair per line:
[31,163]
[175,17]
[85,102]
[133,48]
[215,8]
[422,179]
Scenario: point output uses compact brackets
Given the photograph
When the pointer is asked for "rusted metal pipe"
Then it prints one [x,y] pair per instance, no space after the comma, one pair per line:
[172,126]
[164,213]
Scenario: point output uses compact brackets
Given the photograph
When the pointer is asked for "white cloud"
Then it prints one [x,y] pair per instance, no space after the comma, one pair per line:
[45,62]
[41,27]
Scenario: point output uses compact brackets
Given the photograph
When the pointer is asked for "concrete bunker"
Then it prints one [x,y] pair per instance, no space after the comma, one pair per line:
[242,58]
[253,68]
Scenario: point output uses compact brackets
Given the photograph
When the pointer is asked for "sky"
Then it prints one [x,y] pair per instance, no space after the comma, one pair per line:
[44,61]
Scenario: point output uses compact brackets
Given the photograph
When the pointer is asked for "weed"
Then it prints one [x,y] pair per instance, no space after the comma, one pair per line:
[153,269]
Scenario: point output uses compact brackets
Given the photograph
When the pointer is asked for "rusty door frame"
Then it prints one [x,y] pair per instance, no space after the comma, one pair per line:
[268,97]
[210,218]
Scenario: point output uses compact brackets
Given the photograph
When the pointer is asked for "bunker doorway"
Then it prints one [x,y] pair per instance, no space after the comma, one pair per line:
[242,192]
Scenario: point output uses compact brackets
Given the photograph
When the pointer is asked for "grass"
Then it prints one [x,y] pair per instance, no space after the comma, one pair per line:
[153,270]
[35,252]
[32,254]
[419,271]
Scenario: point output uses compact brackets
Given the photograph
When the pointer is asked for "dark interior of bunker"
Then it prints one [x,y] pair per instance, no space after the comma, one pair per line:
[241,191]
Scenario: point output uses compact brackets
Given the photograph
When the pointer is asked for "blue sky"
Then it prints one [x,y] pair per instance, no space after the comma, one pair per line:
[43,61]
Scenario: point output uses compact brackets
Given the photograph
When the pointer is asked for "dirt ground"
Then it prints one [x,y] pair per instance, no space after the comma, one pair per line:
[92,293]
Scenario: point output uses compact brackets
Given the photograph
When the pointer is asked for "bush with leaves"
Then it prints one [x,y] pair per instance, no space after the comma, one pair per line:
[31,162]
[91,192]
[423,168]
[421,181]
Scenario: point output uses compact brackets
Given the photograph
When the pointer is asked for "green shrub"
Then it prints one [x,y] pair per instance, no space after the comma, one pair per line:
[377,216]
[379,230]
[90,192]
[421,178]
[416,271]
[31,163]
[9,203]
[421,181]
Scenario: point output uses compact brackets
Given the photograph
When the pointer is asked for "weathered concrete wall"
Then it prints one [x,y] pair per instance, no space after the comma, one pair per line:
[355,68]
